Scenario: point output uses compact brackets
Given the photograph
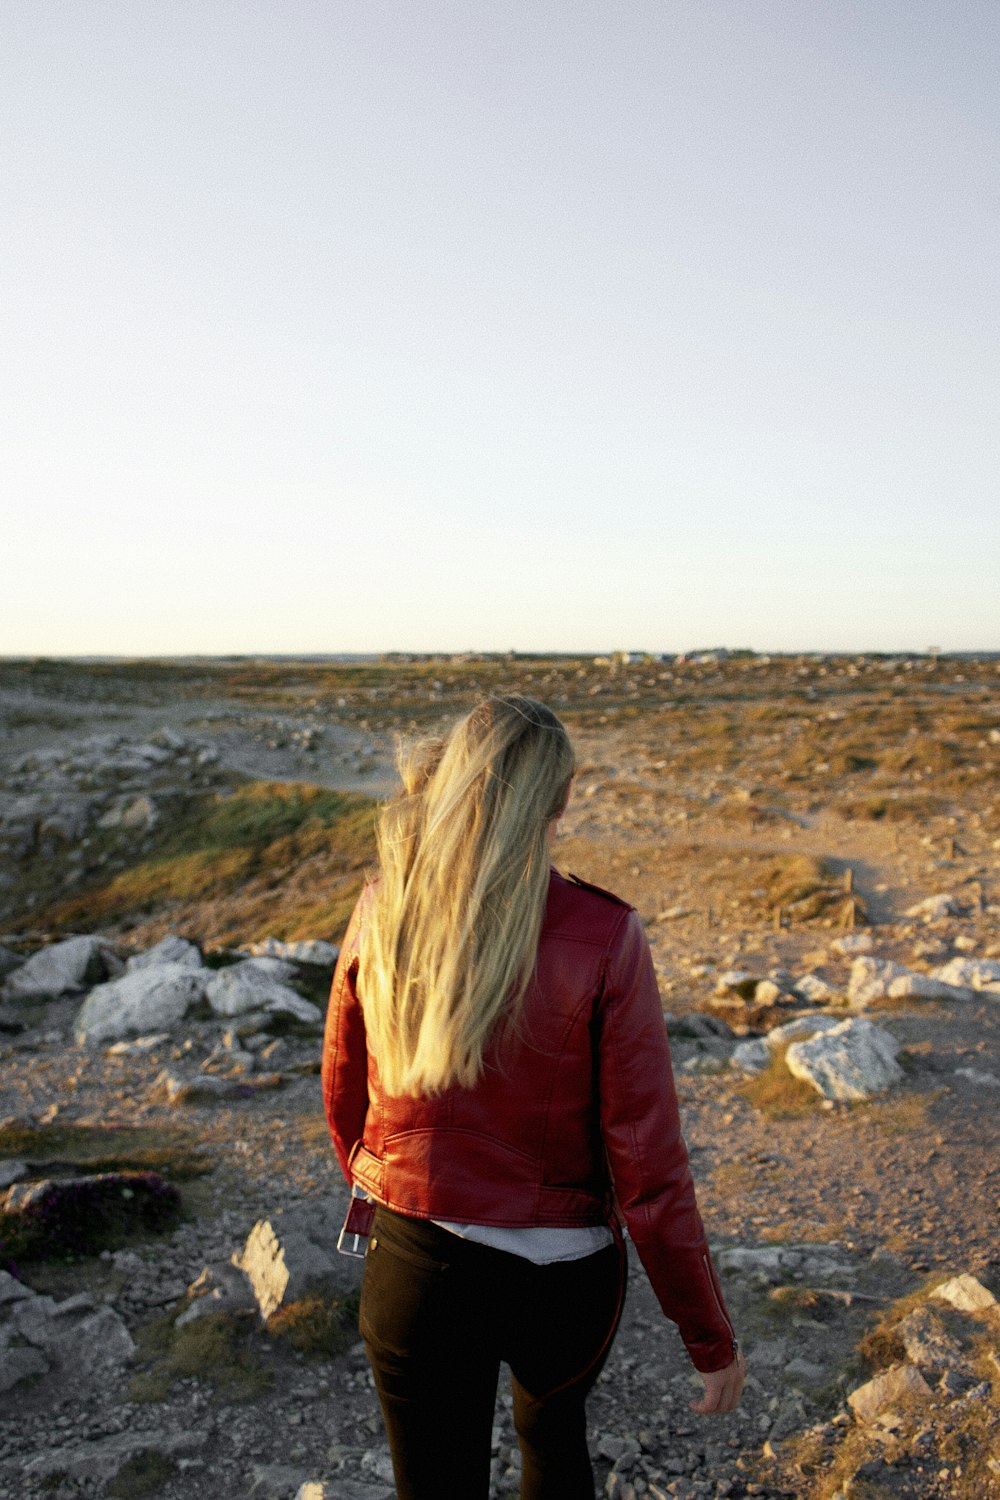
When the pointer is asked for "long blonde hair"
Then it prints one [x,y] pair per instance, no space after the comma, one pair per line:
[451,938]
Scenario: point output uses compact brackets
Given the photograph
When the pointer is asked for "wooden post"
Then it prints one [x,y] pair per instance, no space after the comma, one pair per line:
[977,896]
[848,880]
[777,919]
[849,912]
[949,852]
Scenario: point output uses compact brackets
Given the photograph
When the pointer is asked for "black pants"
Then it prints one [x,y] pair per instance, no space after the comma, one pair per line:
[439,1314]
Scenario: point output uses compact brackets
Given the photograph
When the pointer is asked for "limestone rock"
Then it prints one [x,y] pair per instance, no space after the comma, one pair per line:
[74,1337]
[140,1002]
[177,1088]
[9,961]
[220,1287]
[852,1060]
[293,1253]
[99,1460]
[172,949]
[137,813]
[966,1293]
[900,1383]
[924,987]
[927,1342]
[302,951]
[969,973]
[343,1489]
[247,987]
[18,1362]
[870,979]
[12,1290]
[979,1077]
[853,942]
[934,908]
[10,1172]
[737,982]
[814,989]
[778,1263]
[61,969]
[753,1056]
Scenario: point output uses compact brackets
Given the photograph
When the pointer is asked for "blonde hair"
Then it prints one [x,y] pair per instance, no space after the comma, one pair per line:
[452,935]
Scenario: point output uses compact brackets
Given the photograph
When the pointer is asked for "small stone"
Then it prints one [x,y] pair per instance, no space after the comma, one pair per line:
[853,942]
[979,1077]
[966,1294]
[172,949]
[876,1396]
[934,908]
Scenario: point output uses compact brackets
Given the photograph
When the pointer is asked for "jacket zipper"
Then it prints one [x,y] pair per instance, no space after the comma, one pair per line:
[722,1311]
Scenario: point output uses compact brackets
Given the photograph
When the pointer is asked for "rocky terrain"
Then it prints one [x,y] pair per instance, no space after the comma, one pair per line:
[813,844]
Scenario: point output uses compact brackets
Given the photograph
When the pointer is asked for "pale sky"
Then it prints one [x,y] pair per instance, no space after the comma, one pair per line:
[553,325]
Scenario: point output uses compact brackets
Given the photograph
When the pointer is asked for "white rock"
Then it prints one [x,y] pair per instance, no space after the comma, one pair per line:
[779,1262]
[924,987]
[141,1002]
[927,1342]
[814,989]
[76,1334]
[247,987]
[99,1460]
[9,960]
[221,1287]
[754,1055]
[12,1290]
[178,1088]
[970,973]
[933,908]
[18,1362]
[965,1293]
[300,951]
[173,949]
[853,942]
[977,1075]
[169,739]
[733,979]
[269,964]
[282,1263]
[870,979]
[900,1383]
[140,1045]
[60,969]
[852,1060]
[11,1172]
[138,813]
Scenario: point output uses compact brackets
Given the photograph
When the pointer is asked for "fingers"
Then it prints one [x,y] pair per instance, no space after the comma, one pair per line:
[723,1389]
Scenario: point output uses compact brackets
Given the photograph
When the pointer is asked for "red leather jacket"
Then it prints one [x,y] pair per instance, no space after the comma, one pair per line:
[575,1112]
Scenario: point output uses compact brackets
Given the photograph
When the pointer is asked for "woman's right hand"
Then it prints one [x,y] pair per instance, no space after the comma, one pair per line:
[723,1389]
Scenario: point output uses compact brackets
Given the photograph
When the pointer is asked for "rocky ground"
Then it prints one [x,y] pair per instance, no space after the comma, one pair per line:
[834,1218]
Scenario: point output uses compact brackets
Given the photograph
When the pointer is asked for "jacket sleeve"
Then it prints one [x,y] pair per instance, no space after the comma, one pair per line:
[646,1152]
[344,1069]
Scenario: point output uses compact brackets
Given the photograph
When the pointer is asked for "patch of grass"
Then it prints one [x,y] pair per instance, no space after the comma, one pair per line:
[106,1148]
[319,1327]
[898,1114]
[775,1092]
[217,1348]
[891,808]
[816,1232]
[271,859]
[142,1474]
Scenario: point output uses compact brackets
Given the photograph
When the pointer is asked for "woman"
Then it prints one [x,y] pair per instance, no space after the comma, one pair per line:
[496,1078]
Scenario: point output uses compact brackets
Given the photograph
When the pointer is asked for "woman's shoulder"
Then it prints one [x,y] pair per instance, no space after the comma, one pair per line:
[583,910]
[597,890]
